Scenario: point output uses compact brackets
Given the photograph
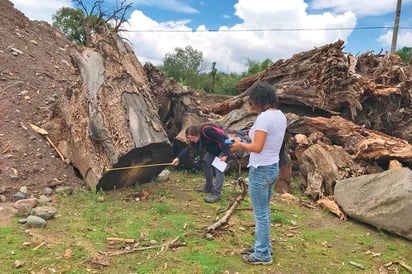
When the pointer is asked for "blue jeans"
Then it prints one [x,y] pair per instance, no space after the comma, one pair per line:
[208,171]
[261,183]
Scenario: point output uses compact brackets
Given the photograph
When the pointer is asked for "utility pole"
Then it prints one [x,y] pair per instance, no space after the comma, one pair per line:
[396,26]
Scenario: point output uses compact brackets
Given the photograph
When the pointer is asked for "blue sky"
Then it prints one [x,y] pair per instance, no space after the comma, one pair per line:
[230,32]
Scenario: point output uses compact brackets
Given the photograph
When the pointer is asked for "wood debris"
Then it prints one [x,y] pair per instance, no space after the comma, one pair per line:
[330,204]
[123,240]
[358,265]
[45,134]
[225,219]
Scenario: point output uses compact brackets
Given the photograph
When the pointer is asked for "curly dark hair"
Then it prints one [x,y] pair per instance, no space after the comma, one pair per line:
[263,95]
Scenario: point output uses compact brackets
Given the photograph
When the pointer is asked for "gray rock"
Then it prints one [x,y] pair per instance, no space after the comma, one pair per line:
[43,200]
[47,191]
[19,196]
[67,190]
[44,212]
[35,221]
[163,176]
[383,200]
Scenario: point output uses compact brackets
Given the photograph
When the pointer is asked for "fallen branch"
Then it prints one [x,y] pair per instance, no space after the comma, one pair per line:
[39,245]
[401,263]
[224,220]
[358,265]
[44,133]
[404,265]
[172,244]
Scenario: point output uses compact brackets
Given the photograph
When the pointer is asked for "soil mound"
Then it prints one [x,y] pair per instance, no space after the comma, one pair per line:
[35,72]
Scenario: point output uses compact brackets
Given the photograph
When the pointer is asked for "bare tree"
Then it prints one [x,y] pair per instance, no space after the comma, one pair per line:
[99,20]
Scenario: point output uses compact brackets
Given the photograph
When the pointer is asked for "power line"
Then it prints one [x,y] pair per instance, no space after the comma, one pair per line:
[262,30]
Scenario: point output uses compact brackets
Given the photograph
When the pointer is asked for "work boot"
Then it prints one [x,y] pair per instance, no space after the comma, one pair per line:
[212,198]
[204,190]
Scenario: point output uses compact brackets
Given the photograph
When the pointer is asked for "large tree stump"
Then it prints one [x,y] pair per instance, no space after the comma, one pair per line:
[112,116]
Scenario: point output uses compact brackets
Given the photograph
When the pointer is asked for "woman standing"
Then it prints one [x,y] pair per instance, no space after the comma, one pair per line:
[267,135]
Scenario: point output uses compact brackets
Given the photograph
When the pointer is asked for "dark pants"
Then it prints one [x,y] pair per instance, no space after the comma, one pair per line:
[208,171]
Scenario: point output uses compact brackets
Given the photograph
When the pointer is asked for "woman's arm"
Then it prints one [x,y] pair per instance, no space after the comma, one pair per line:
[181,155]
[256,146]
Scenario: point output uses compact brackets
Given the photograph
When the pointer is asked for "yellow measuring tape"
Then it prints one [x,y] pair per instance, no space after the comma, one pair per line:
[138,166]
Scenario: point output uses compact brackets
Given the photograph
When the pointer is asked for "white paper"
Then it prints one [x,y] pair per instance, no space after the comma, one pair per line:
[219,164]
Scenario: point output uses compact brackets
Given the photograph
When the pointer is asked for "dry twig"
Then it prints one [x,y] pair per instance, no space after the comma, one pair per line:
[44,133]
[172,244]
[224,220]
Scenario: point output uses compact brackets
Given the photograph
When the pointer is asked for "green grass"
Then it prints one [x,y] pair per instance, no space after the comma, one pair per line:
[318,243]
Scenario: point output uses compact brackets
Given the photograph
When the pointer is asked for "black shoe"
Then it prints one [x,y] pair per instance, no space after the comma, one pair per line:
[249,259]
[250,250]
[212,198]
[204,190]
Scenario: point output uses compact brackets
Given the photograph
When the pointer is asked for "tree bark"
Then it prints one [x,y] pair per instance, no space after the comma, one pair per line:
[112,116]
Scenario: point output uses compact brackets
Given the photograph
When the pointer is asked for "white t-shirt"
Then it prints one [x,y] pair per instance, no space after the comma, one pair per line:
[274,123]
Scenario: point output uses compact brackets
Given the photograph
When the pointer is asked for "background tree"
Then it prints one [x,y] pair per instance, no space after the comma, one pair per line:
[406,54]
[226,83]
[255,66]
[184,64]
[79,24]
[70,21]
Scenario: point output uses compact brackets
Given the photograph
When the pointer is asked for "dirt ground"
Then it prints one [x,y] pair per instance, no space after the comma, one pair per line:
[35,71]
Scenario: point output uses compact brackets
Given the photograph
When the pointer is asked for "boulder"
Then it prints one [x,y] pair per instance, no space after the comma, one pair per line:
[44,212]
[35,221]
[383,200]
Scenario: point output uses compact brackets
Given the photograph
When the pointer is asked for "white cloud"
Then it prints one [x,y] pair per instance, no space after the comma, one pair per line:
[40,10]
[361,8]
[172,5]
[404,39]
[230,49]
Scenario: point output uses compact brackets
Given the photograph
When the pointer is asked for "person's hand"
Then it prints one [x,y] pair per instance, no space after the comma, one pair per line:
[236,144]
[175,162]
[223,158]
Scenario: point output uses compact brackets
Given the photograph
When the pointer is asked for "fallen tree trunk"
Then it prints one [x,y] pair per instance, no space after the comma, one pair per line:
[358,141]
[329,149]
[371,90]
[126,95]
[111,116]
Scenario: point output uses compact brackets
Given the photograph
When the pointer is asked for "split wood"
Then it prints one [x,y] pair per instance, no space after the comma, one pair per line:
[122,240]
[225,219]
